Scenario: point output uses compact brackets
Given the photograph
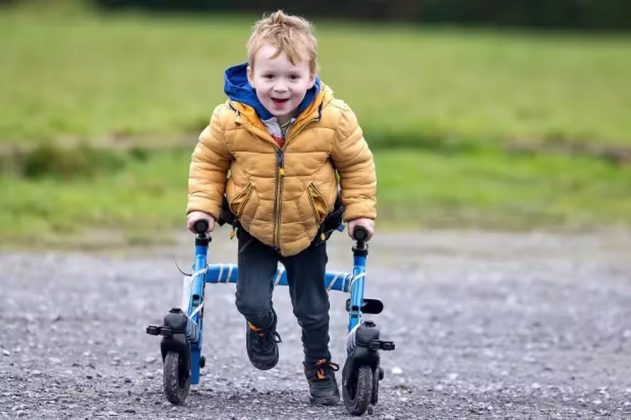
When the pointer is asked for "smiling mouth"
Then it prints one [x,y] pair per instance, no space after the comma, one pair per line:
[279,101]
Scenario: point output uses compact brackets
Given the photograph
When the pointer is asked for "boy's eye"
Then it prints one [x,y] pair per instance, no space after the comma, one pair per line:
[268,76]
[294,76]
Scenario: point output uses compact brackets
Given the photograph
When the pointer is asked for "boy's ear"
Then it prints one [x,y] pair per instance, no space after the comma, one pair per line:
[312,80]
[249,74]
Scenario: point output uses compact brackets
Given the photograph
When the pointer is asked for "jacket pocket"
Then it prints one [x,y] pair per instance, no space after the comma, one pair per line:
[240,201]
[317,202]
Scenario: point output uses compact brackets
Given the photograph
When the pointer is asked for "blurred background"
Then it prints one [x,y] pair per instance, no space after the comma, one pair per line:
[487,114]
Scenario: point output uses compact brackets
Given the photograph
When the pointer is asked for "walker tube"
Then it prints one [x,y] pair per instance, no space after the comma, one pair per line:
[229,273]
[357,291]
[197,299]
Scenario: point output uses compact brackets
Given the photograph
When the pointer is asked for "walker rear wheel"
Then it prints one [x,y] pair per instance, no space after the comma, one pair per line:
[176,379]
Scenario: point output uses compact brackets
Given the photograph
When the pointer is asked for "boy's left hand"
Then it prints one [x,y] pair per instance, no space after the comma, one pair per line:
[367,224]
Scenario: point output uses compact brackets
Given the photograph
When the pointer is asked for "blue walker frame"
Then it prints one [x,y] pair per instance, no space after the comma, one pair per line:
[204,273]
[183,332]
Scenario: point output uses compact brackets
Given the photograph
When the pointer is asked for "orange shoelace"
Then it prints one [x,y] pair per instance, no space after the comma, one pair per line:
[254,328]
[320,374]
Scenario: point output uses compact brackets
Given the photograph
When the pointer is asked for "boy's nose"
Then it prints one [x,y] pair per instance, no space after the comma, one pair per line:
[280,86]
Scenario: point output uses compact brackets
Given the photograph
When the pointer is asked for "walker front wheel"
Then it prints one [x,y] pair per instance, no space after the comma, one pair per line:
[357,389]
[377,375]
[176,378]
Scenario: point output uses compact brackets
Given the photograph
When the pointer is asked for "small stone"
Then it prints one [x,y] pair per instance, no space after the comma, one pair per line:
[452,376]
[535,385]
[6,352]
[149,375]
[150,359]
[396,371]
[597,402]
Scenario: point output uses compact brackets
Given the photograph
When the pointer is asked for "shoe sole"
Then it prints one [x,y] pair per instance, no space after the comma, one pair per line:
[265,366]
[324,400]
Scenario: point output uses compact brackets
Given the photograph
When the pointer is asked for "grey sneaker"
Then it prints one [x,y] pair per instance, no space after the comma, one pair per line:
[322,384]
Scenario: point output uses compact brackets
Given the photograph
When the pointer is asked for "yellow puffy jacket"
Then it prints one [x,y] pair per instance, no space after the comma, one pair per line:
[282,195]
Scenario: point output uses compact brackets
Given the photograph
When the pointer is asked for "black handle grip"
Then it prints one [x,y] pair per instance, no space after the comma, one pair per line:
[201,226]
[360,233]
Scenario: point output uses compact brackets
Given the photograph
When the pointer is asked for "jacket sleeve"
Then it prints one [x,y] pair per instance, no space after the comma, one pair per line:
[209,167]
[356,167]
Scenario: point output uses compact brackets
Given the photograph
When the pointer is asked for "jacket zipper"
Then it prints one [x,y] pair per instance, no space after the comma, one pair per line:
[280,174]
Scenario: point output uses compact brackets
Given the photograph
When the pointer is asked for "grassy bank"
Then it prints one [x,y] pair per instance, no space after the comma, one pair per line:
[416,190]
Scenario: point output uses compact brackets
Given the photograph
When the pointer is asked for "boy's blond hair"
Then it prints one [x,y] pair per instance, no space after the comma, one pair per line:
[291,35]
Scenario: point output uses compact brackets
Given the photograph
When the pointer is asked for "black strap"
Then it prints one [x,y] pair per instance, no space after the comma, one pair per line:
[226,215]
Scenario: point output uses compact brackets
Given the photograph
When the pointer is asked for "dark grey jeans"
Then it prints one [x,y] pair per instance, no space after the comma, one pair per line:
[305,276]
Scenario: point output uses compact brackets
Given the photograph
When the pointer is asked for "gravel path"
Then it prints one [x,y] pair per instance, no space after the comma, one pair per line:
[489,326]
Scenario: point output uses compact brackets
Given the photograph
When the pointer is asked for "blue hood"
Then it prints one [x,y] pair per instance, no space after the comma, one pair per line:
[237,88]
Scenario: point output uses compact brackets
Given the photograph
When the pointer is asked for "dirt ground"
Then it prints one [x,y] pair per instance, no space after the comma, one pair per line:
[487,325]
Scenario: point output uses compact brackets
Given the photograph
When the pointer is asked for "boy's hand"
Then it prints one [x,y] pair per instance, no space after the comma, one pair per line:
[195,216]
[367,224]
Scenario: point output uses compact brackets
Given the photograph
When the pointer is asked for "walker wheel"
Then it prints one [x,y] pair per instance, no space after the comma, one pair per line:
[377,375]
[357,389]
[176,379]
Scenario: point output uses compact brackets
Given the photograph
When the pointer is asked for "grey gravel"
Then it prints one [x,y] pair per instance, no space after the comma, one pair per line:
[487,325]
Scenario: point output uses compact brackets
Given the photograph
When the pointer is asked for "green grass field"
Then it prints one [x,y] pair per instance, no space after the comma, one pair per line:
[443,109]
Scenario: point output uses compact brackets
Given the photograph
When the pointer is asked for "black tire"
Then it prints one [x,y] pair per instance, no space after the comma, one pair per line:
[375,386]
[176,379]
[357,389]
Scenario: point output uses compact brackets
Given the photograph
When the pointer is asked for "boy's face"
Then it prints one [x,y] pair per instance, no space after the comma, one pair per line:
[280,85]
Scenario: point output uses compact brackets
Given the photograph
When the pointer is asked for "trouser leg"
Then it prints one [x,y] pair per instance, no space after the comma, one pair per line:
[257,266]
[310,300]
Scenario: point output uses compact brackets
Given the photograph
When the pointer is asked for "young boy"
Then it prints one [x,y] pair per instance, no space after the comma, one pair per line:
[276,150]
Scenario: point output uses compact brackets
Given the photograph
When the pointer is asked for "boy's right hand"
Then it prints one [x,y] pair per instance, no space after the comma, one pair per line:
[196,216]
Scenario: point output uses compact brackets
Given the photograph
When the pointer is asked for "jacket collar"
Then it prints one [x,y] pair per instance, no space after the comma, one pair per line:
[247,116]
